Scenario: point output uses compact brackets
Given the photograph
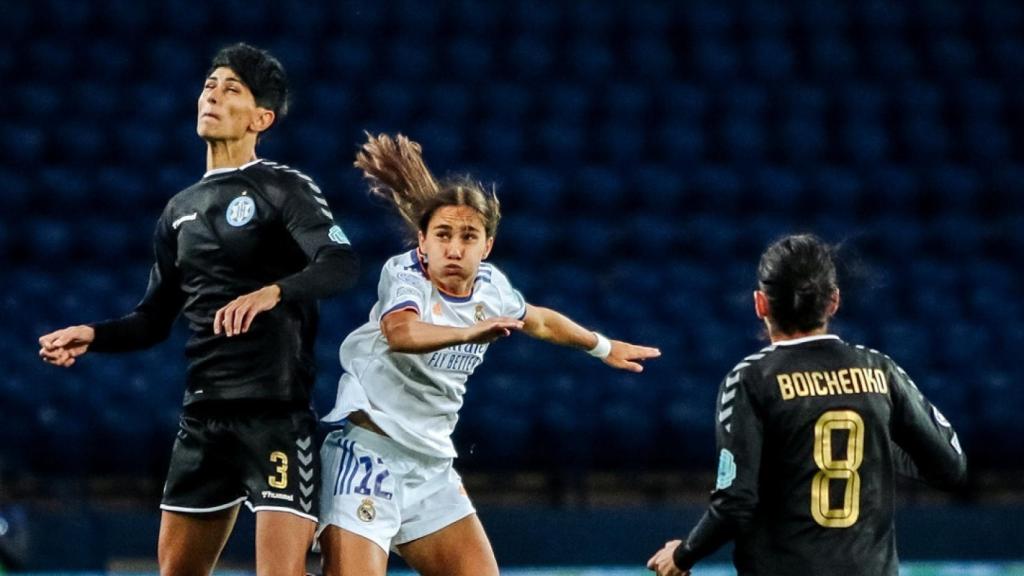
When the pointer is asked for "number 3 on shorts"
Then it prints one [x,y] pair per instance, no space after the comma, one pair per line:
[281,480]
[831,469]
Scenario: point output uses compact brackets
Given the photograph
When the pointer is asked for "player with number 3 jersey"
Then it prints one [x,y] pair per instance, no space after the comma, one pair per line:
[811,432]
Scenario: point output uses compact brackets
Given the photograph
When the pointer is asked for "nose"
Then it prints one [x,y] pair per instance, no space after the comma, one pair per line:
[454,250]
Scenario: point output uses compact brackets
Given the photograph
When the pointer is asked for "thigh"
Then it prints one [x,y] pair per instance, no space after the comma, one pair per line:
[190,544]
[459,549]
[349,554]
[282,541]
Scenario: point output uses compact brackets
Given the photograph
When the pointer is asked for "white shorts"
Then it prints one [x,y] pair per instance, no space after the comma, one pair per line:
[376,488]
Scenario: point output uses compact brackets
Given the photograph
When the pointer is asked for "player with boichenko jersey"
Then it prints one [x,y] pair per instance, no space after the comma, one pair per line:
[811,432]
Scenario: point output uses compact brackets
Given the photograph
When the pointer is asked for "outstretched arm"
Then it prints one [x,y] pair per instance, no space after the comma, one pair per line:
[405,332]
[551,326]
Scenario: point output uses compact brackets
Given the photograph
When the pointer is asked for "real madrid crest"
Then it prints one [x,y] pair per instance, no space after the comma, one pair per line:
[479,313]
[241,210]
[366,512]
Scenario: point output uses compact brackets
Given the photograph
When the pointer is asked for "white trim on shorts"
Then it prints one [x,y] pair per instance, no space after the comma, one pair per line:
[255,509]
[202,510]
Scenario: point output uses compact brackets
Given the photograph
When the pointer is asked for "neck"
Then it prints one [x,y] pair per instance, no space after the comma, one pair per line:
[776,336]
[459,289]
[229,153]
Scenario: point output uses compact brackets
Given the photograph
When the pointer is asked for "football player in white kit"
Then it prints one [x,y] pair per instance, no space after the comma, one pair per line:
[388,479]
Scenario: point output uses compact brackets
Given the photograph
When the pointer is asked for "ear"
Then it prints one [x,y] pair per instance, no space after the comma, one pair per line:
[262,119]
[421,239]
[833,305]
[490,246]
[761,307]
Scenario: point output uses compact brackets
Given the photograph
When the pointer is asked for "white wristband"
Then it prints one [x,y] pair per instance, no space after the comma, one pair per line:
[603,347]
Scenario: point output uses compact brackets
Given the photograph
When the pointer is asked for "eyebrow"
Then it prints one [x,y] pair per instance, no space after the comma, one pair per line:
[469,227]
[228,79]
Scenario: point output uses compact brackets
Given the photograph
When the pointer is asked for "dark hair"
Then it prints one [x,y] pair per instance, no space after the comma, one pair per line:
[397,174]
[260,71]
[798,275]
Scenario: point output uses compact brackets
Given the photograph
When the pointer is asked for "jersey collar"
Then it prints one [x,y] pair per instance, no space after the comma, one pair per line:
[216,171]
[806,339]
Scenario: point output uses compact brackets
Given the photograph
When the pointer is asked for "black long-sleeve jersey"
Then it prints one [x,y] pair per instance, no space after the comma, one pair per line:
[811,433]
[234,232]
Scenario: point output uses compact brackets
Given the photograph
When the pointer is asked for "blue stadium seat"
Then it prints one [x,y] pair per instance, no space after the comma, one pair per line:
[838,190]
[627,102]
[410,59]
[718,188]
[530,56]
[125,17]
[600,190]
[590,60]
[17,191]
[952,57]
[743,138]
[392,102]
[567,101]
[920,99]
[683,101]
[349,57]
[879,15]
[831,57]
[894,188]
[766,17]
[711,18]
[500,144]
[862,101]
[181,17]
[50,59]
[651,57]
[826,17]
[109,61]
[782,186]
[956,189]
[23,145]
[471,57]
[657,188]
[536,190]
[865,142]
[622,143]
[926,139]
[987,142]
[508,101]
[563,140]
[772,58]
[37,100]
[715,59]
[804,140]
[892,58]
[681,143]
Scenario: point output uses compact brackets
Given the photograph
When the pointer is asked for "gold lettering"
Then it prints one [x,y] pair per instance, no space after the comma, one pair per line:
[800,383]
[869,377]
[844,381]
[820,388]
[785,386]
[883,386]
[833,383]
[857,380]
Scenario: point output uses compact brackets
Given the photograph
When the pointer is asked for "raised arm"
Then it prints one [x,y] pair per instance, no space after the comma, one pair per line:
[552,326]
[405,332]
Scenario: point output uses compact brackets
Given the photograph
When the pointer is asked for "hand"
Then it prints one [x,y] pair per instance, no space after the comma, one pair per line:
[662,563]
[236,317]
[487,331]
[60,348]
[626,356]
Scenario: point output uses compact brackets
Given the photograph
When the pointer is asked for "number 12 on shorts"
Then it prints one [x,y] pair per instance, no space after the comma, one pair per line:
[356,473]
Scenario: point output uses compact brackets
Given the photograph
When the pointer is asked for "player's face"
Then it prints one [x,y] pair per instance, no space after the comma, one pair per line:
[227,109]
[454,244]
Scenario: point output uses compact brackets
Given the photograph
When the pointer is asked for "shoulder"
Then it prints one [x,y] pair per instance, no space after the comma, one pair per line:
[491,274]
[882,360]
[279,181]
[735,380]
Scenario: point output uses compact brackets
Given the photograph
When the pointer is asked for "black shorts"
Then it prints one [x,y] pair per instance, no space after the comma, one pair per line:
[259,452]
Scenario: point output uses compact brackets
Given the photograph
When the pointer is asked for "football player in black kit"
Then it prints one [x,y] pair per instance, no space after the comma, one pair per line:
[244,254]
[811,432]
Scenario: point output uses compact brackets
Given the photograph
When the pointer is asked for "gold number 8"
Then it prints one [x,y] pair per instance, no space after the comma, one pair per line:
[832,469]
[281,481]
